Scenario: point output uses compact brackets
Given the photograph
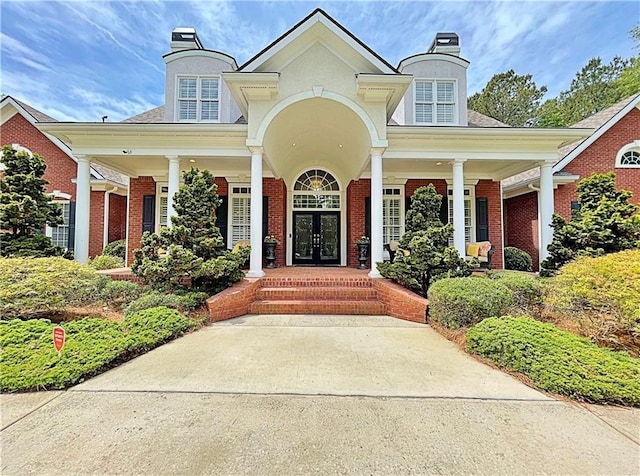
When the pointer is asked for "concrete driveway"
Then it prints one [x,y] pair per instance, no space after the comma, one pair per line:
[311,394]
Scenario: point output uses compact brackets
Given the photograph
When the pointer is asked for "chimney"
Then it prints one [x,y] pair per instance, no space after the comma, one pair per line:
[447,43]
[185,38]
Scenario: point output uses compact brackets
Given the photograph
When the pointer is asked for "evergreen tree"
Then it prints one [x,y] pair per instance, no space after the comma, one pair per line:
[25,206]
[425,254]
[605,223]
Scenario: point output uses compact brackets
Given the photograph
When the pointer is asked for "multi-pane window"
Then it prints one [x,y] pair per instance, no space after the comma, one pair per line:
[240,214]
[60,234]
[468,215]
[162,212]
[316,189]
[198,98]
[630,158]
[435,102]
[391,214]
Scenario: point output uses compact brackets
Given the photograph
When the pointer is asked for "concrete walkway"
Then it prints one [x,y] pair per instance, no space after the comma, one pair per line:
[311,394]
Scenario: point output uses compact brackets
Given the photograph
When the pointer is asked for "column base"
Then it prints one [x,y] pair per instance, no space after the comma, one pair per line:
[255,274]
[374,273]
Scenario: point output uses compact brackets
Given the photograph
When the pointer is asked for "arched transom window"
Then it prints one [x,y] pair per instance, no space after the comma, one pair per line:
[316,189]
[629,155]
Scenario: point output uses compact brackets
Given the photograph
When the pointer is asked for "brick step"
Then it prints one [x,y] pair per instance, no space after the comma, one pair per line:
[373,308]
[282,282]
[317,293]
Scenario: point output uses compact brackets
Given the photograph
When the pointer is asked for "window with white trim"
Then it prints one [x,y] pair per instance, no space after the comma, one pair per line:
[469,214]
[435,102]
[60,234]
[392,214]
[240,208]
[198,98]
[630,158]
[162,219]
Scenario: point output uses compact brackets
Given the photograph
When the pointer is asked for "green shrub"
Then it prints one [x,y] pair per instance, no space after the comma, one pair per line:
[182,302]
[32,286]
[120,292]
[558,361]
[460,302]
[35,246]
[28,360]
[106,262]
[517,260]
[527,291]
[608,285]
[116,248]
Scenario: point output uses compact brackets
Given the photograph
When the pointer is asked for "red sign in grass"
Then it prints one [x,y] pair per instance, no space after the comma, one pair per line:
[58,338]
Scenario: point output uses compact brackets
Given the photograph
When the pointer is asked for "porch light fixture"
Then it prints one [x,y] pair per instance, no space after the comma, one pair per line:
[293,144]
[193,161]
[126,151]
[438,163]
[340,145]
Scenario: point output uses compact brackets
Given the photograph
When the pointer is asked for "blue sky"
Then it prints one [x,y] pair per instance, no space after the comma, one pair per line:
[80,60]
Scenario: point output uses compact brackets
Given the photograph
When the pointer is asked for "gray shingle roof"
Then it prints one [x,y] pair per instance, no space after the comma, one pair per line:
[476,119]
[151,116]
[39,116]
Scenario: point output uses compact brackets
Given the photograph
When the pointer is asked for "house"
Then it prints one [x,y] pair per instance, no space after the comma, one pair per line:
[613,147]
[316,140]
[106,220]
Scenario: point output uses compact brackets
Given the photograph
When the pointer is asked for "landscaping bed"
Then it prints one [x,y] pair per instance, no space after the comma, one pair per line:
[29,361]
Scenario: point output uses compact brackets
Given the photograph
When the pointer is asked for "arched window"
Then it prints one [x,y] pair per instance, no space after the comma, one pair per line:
[316,189]
[316,181]
[629,156]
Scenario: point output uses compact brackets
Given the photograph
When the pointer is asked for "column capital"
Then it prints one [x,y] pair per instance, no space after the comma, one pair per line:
[173,158]
[256,149]
[548,163]
[455,162]
[82,158]
[377,151]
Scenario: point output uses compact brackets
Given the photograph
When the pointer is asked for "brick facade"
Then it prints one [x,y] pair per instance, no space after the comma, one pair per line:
[138,188]
[61,170]
[521,213]
[276,190]
[491,191]
[357,192]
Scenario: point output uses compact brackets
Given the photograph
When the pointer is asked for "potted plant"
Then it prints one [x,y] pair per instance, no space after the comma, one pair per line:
[363,251]
[270,243]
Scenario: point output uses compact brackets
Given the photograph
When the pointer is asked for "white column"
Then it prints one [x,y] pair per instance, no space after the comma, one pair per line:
[376,212]
[255,262]
[83,197]
[458,206]
[546,207]
[173,185]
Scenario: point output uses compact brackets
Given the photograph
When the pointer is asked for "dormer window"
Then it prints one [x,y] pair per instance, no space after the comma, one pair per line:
[435,102]
[198,98]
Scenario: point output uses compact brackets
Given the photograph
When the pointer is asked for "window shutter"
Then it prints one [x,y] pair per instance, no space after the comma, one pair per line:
[148,213]
[367,217]
[482,219]
[444,210]
[72,226]
[222,212]
[265,216]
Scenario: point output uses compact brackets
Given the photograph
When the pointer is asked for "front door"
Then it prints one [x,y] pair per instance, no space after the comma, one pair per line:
[316,238]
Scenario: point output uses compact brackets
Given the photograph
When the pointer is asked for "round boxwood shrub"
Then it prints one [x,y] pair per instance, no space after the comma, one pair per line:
[460,302]
[106,262]
[527,290]
[558,361]
[517,260]
[116,248]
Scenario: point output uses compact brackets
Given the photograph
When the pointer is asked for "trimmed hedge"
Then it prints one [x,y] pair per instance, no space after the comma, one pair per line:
[608,285]
[32,286]
[460,302]
[527,290]
[106,262]
[182,302]
[558,361]
[28,360]
[115,248]
[517,259]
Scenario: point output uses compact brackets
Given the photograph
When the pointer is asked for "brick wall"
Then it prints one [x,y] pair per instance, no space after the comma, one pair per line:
[61,169]
[357,191]
[276,190]
[521,224]
[413,184]
[117,217]
[138,188]
[491,191]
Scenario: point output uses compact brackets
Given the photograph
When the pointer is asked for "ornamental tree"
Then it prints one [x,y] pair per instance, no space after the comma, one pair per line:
[424,254]
[191,253]
[25,206]
[605,223]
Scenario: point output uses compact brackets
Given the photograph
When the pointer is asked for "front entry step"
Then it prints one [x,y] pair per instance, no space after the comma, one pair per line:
[326,306]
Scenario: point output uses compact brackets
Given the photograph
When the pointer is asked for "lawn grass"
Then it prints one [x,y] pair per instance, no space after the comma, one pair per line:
[28,360]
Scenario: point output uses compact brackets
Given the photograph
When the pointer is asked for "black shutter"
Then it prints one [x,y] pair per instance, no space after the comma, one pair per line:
[148,213]
[482,219]
[444,210]
[407,205]
[367,217]
[72,226]
[222,212]
[265,216]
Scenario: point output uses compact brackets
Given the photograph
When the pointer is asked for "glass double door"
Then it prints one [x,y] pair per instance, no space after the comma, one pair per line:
[316,238]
